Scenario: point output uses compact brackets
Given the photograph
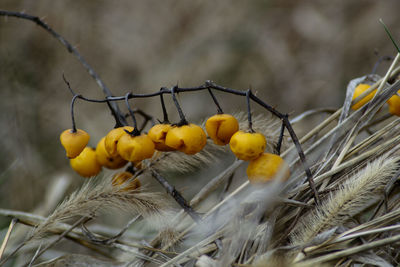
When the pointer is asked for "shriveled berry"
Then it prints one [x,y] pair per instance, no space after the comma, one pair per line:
[266,167]
[157,134]
[221,127]
[105,159]
[247,146]
[125,182]
[361,88]
[135,148]
[74,142]
[112,138]
[86,163]
[188,139]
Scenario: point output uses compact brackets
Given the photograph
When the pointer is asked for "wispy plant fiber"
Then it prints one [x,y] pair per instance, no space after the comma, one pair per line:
[351,197]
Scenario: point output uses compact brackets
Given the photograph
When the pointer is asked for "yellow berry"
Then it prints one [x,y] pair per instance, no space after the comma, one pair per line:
[361,88]
[135,148]
[221,127]
[125,181]
[394,104]
[188,139]
[86,163]
[105,159]
[266,167]
[247,146]
[112,138]
[74,143]
[157,134]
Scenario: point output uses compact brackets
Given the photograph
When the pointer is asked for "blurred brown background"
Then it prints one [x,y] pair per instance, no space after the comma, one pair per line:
[296,55]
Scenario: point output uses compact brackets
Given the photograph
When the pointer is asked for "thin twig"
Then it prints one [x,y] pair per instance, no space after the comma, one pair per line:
[108,241]
[177,196]
[70,49]
[281,134]
[80,221]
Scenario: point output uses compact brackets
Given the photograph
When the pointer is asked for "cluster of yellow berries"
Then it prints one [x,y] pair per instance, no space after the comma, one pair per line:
[122,145]
[393,102]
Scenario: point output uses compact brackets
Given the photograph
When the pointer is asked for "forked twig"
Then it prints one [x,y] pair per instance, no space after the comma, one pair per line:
[72,50]
[107,241]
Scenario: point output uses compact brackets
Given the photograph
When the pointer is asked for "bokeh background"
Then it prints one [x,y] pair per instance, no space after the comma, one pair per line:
[296,55]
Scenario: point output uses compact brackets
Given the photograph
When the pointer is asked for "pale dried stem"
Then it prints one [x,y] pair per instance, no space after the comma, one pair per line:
[387,75]
[350,251]
[375,151]
[7,237]
[371,139]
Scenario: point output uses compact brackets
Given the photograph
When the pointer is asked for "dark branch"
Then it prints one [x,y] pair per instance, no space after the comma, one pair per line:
[281,134]
[70,49]
[177,196]
[247,94]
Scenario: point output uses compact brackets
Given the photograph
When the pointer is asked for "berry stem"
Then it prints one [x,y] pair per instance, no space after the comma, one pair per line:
[219,109]
[118,122]
[164,110]
[248,92]
[178,107]
[72,113]
[135,131]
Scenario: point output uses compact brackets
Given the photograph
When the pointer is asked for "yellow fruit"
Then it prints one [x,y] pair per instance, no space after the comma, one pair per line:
[105,159]
[266,167]
[74,143]
[358,91]
[247,146]
[221,127]
[112,138]
[157,134]
[394,104]
[188,139]
[135,148]
[86,163]
[123,179]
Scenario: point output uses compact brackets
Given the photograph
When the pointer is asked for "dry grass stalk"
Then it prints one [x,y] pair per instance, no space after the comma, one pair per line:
[351,197]
[98,195]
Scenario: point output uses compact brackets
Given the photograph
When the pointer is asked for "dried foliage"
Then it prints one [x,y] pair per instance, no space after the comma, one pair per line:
[355,162]
[356,193]
[98,196]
